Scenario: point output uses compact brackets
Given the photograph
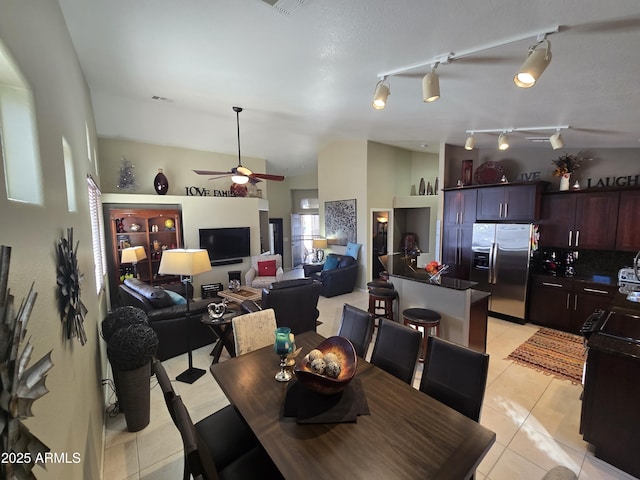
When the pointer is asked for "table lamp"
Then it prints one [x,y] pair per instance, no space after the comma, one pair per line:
[319,244]
[186,263]
[133,255]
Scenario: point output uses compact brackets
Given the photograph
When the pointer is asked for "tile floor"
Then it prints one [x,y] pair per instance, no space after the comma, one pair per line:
[535,417]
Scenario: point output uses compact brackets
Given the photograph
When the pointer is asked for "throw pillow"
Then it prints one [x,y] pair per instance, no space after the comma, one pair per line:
[176,298]
[267,268]
[330,263]
[353,249]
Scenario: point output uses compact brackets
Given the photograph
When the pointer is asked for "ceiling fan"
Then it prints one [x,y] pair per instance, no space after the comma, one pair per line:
[241,174]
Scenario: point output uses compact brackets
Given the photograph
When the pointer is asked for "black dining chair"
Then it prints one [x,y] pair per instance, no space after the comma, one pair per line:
[357,326]
[253,464]
[396,349]
[225,434]
[456,376]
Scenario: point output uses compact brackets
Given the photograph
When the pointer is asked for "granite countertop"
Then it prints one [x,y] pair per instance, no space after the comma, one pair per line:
[609,280]
[422,277]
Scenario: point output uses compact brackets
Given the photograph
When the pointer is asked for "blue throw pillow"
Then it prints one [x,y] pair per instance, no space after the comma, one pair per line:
[330,263]
[353,249]
[176,298]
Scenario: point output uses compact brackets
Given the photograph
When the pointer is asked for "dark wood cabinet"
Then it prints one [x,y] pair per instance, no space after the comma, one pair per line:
[459,216]
[509,203]
[154,230]
[628,232]
[565,303]
[580,220]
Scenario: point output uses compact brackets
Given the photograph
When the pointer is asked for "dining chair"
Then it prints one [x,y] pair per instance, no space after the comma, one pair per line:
[357,326]
[202,463]
[396,349]
[254,330]
[456,376]
[224,432]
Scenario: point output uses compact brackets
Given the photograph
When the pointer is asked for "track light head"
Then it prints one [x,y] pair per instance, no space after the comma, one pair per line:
[431,86]
[503,141]
[556,140]
[537,61]
[380,95]
[470,143]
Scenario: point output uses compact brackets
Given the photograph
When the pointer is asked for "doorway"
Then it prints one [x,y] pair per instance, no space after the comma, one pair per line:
[380,240]
[276,238]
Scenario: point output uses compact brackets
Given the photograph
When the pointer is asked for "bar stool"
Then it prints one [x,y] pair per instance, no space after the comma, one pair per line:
[381,302]
[379,283]
[429,320]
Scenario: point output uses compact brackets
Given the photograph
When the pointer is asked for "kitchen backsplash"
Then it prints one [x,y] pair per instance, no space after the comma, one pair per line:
[588,262]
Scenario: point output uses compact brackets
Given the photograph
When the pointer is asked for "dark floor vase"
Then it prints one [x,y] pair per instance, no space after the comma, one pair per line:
[161,183]
[134,398]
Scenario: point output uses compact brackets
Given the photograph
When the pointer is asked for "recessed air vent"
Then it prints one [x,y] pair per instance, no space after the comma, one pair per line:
[285,7]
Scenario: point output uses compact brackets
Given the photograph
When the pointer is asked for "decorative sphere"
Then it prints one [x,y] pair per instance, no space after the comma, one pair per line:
[332,369]
[169,223]
[318,365]
[331,357]
[314,354]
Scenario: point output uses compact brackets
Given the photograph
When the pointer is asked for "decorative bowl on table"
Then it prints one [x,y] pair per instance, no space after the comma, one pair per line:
[327,383]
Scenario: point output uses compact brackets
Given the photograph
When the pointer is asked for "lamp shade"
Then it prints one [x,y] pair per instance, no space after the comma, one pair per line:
[431,87]
[133,254]
[185,262]
[537,61]
[239,179]
[319,243]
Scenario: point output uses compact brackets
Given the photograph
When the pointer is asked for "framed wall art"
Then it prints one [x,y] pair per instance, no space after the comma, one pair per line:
[340,222]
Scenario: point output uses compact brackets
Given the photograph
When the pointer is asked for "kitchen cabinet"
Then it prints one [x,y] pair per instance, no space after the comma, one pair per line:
[628,232]
[565,303]
[510,203]
[154,230]
[585,220]
[459,215]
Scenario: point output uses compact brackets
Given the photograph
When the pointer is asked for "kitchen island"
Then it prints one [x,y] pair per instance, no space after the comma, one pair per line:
[462,308]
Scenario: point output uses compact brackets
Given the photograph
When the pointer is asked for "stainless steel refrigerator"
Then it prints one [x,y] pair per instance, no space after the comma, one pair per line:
[500,265]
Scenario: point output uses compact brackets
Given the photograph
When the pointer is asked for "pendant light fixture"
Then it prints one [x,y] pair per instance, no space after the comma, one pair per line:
[537,61]
[503,141]
[381,93]
[556,140]
[431,85]
[470,143]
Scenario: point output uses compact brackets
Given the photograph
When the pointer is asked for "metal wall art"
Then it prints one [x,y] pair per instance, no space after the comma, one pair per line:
[68,276]
[340,222]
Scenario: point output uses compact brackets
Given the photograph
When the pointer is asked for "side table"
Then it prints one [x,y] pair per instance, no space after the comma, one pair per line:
[223,329]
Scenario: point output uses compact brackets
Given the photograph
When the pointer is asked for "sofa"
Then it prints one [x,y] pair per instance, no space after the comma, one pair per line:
[295,303]
[337,275]
[167,318]
[264,270]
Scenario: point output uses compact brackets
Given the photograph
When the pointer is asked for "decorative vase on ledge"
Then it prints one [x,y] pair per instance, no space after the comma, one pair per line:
[564,181]
[161,183]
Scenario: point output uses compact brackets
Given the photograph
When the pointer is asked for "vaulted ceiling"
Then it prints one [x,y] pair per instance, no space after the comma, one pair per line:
[306,77]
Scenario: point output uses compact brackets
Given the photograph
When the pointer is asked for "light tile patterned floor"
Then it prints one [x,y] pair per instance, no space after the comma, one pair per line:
[535,417]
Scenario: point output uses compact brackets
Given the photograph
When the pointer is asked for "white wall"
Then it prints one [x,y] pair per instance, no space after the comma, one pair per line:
[70,417]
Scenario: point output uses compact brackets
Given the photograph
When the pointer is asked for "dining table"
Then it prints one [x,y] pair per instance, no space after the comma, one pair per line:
[405,435]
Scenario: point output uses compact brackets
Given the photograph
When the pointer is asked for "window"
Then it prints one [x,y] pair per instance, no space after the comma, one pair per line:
[19,146]
[69,176]
[97,233]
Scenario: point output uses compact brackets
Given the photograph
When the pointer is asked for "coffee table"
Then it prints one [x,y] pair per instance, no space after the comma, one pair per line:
[244,293]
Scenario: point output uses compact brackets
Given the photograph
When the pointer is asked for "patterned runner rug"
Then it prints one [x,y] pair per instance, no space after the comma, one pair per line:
[553,353]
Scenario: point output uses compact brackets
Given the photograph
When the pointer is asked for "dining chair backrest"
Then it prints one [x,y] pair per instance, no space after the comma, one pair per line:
[357,326]
[396,349]
[165,385]
[456,376]
[254,330]
[196,454]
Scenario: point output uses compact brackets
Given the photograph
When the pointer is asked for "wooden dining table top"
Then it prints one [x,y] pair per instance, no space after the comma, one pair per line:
[408,435]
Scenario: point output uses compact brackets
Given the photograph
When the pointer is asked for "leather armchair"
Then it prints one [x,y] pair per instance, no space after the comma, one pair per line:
[295,303]
[166,319]
[336,281]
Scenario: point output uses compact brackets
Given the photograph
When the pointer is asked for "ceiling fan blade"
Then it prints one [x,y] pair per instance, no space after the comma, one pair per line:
[268,176]
[210,172]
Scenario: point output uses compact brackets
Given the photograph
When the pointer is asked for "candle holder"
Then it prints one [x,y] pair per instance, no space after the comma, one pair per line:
[283,346]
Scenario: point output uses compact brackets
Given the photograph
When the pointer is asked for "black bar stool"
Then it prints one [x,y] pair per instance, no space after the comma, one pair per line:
[381,302]
[428,320]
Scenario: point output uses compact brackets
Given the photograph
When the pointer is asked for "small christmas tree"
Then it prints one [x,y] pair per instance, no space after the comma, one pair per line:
[127,178]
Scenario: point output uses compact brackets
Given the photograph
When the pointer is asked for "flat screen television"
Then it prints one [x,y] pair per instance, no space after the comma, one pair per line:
[225,244]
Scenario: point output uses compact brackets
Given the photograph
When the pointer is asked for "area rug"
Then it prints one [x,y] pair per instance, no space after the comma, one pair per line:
[553,353]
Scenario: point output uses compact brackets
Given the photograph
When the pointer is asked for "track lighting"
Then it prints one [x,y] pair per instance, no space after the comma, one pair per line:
[470,143]
[556,140]
[381,93]
[431,86]
[537,61]
[503,141]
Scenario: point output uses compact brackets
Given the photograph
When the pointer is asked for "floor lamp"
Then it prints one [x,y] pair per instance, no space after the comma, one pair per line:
[133,255]
[186,263]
